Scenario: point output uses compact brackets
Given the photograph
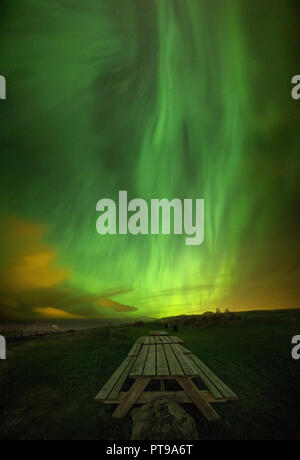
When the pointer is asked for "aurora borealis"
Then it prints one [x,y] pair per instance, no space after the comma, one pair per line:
[164,99]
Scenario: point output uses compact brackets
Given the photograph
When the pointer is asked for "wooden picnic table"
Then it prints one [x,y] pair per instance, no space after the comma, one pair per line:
[163,361]
[159,333]
[158,339]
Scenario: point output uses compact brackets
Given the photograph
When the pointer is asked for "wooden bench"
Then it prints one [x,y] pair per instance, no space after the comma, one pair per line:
[164,361]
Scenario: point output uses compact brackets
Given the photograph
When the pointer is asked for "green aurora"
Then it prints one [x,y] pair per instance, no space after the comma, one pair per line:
[164,99]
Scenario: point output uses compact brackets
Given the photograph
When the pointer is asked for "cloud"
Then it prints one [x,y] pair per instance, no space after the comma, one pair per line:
[116,306]
[28,263]
[54,313]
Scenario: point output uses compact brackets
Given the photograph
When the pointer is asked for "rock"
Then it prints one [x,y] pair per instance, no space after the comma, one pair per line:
[162,419]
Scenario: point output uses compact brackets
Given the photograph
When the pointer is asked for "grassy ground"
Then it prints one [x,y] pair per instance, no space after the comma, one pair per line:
[47,385]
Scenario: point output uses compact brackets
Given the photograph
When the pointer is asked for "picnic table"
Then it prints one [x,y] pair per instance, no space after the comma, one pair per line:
[150,359]
[159,333]
[158,339]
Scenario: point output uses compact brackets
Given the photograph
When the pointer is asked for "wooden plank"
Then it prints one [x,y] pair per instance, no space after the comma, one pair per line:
[164,339]
[132,396]
[150,364]
[118,386]
[152,340]
[176,339]
[193,392]
[174,366]
[211,387]
[135,349]
[186,364]
[177,396]
[184,350]
[120,373]
[140,340]
[168,339]
[161,362]
[159,333]
[139,364]
[225,391]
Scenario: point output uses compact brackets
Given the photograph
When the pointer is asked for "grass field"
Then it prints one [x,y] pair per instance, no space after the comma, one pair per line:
[47,385]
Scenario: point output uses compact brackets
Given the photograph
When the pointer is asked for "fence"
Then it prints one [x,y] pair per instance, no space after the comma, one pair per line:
[27,330]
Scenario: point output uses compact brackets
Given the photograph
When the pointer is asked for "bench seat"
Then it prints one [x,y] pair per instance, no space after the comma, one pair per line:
[217,388]
[113,386]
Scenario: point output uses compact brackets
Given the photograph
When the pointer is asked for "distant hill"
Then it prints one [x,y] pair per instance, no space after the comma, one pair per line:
[205,319]
[231,318]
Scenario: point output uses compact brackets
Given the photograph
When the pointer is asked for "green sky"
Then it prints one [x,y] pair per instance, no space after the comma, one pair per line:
[164,99]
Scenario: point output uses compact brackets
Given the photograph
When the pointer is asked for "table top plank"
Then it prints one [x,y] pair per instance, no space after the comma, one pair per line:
[140,362]
[135,349]
[184,350]
[150,365]
[141,339]
[174,366]
[162,365]
[187,365]
[168,339]
[165,339]
[176,339]
[159,340]
[159,333]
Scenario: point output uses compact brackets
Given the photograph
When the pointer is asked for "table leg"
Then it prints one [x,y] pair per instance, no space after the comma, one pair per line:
[194,393]
[132,396]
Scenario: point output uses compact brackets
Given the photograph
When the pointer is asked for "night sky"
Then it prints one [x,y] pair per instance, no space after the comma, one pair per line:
[164,99]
